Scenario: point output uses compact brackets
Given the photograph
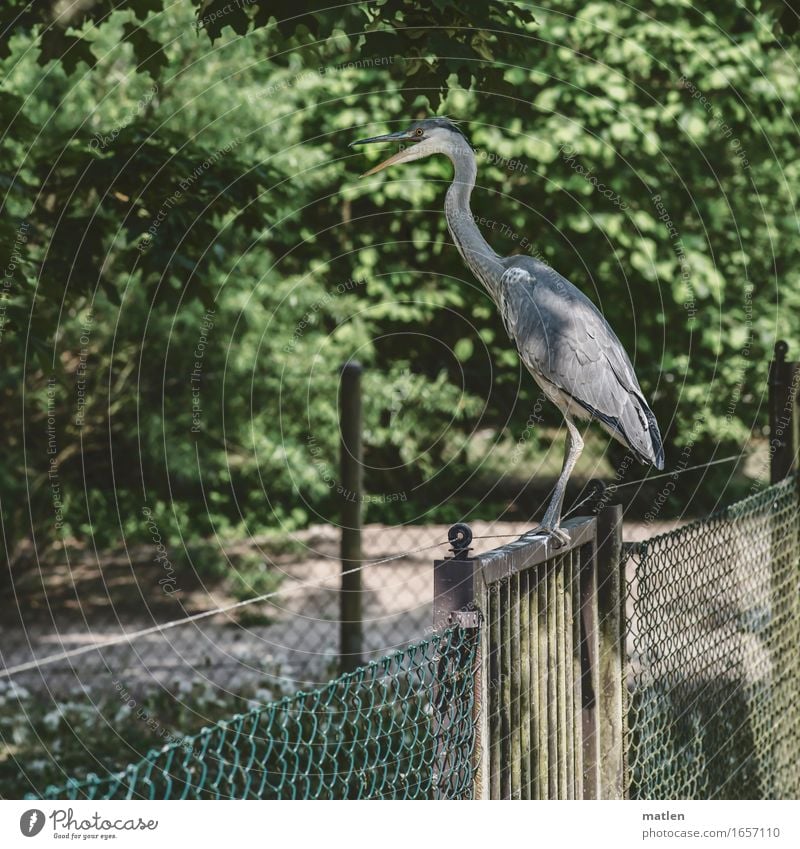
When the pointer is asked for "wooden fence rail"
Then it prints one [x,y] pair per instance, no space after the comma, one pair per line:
[549,678]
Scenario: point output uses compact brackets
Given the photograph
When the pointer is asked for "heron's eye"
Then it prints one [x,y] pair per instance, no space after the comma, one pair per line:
[419,131]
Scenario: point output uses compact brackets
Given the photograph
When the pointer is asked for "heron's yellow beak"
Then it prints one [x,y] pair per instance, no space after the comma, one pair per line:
[400,156]
[392,160]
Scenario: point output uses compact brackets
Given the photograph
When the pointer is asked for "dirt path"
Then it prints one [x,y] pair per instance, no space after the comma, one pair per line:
[288,642]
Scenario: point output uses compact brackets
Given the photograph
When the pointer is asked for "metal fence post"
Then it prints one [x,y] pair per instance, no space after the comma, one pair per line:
[453,588]
[783,378]
[782,384]
[454,605]
[350,601]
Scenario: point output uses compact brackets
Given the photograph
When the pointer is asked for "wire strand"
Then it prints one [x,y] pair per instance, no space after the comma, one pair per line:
[9,671]
[679,471]
[615,486]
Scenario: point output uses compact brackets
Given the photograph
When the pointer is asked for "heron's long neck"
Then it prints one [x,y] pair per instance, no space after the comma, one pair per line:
[478,255]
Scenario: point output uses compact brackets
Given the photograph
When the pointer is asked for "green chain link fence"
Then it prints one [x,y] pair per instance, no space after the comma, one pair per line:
[398,728]
[712,683]
[714,655]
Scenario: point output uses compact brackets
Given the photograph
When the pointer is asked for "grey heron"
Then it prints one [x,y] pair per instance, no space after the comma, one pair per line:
[562,338]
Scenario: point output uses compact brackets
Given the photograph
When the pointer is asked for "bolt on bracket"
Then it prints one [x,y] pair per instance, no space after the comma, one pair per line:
[466,618]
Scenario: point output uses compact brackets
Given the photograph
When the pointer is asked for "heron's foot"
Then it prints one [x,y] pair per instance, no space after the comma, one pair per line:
[559,536]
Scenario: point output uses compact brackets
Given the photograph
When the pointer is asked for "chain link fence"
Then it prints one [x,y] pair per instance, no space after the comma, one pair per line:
[384,731]
[289,641]
[712,648]
[285,643]
[153,689]
[714,655]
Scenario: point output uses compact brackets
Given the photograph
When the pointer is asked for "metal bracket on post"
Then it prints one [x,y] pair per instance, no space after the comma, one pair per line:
[597,497]
[453,592]
[460,537]
[467,619]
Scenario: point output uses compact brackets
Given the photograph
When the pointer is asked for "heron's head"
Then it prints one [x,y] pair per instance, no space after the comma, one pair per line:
[421,139]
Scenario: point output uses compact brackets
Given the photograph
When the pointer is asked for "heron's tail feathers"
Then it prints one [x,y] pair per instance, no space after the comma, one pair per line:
[636,428]
[656,444]
[640,433]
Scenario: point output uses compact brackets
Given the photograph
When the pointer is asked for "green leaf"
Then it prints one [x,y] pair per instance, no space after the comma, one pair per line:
[149,53]
[70,50]
[463,349]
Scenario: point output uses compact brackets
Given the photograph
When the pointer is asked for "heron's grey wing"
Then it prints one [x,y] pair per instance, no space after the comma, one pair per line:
[563,339]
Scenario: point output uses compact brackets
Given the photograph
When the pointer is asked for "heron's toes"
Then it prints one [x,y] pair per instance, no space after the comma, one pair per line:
[559,536]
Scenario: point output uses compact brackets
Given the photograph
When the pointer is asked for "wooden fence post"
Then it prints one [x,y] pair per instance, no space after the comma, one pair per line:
[528,681]
[350,613]
[782,384]
[590,679]
[611,666]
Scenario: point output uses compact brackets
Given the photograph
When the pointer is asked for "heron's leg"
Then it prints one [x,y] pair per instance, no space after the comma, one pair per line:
[572,450]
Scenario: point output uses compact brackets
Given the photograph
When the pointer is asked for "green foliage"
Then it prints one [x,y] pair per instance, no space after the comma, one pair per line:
[434,40]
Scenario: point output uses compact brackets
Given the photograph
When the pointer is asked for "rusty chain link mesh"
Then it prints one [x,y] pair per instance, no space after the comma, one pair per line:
[398,728]
[714,655]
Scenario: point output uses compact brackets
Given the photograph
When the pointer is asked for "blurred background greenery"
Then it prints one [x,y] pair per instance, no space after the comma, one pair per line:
[189,256]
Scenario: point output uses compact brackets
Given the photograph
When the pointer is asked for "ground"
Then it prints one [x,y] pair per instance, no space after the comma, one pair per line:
[291,638]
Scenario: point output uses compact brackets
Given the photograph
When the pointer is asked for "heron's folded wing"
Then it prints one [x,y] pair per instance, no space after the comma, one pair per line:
[563,338]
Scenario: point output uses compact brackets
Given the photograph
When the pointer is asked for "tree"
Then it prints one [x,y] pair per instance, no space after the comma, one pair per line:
[178,175]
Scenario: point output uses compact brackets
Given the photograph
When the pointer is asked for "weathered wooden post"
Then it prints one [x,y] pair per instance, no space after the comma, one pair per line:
[588,620]
[350,601]
[783,376]
[603,653]
[609,702]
